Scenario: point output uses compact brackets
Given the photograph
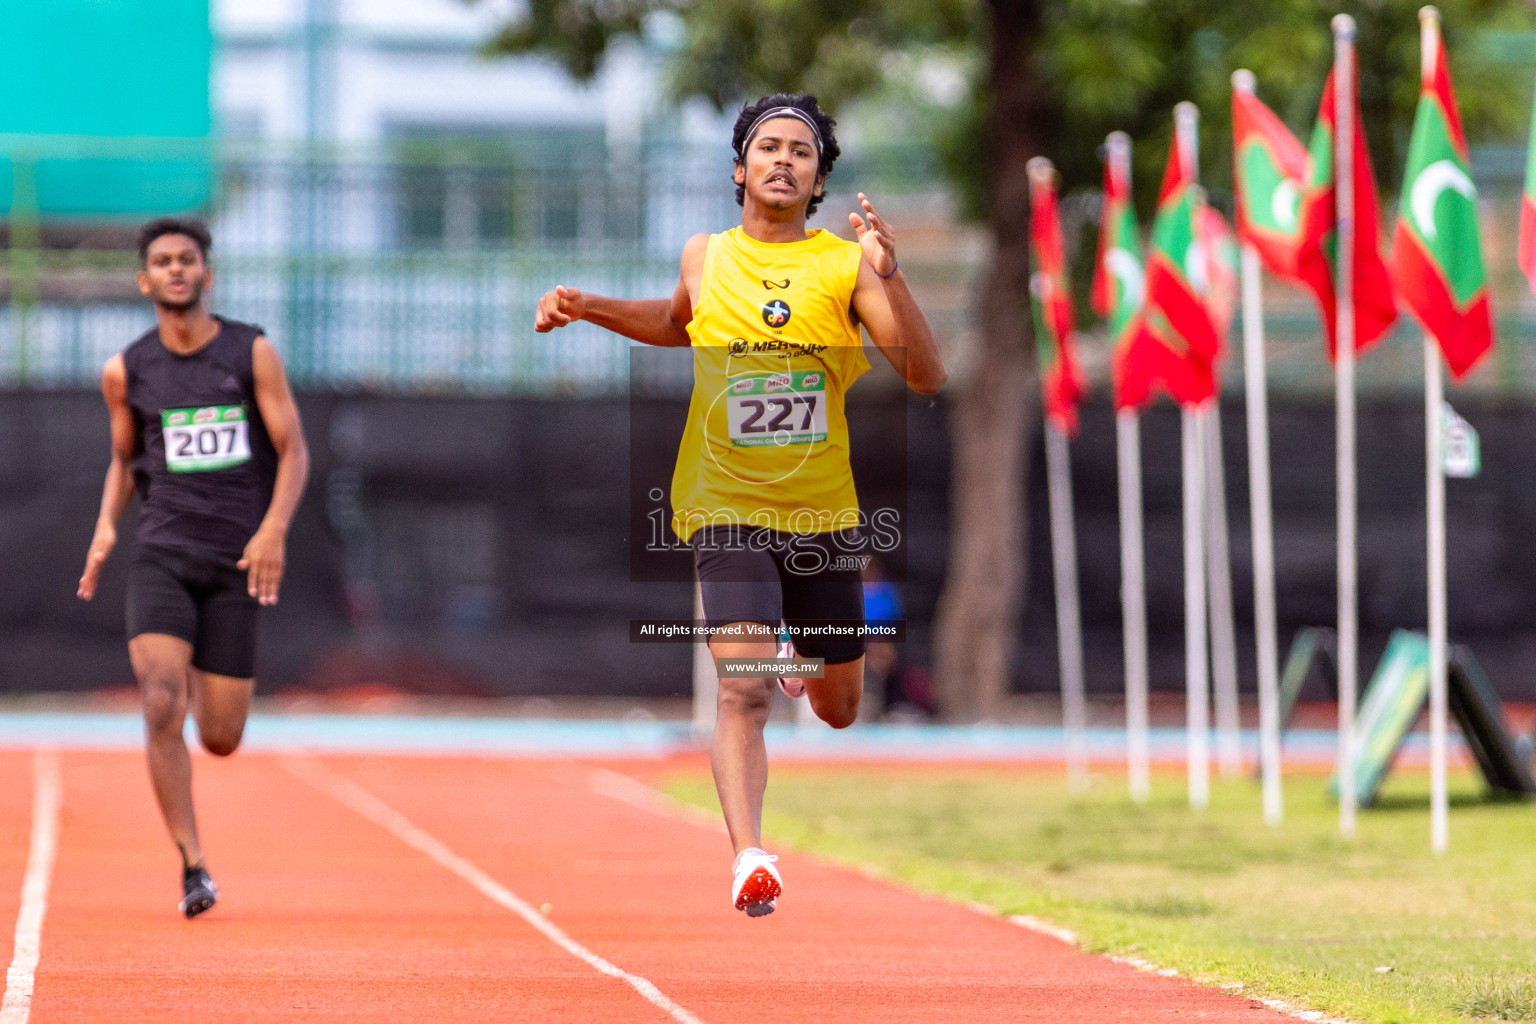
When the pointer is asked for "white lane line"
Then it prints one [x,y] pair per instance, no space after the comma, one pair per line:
[47,794]
[380,813]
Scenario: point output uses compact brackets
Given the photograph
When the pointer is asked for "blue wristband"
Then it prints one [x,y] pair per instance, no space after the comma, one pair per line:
[886,277]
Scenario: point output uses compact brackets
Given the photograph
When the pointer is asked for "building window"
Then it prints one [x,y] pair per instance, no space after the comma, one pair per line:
[487,189]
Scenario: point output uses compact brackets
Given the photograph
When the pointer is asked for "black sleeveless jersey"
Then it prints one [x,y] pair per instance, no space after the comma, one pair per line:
[203,463]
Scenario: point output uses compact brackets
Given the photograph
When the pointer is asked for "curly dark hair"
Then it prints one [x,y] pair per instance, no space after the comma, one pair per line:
[824,125]
[193,229]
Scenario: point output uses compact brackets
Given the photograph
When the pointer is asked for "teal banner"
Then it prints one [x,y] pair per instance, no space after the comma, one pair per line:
[107,109]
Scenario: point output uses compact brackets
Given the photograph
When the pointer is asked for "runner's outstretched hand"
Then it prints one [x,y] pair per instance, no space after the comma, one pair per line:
[875,237]
[558,308]
[263,562]
[101,546]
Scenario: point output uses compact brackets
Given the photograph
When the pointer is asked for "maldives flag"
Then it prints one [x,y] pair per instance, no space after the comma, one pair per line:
[1270,170]
[1221,285]
[1118,277]
[1526,249]
[1375,308]
[1175,344]
[1437,259]
[1061,381]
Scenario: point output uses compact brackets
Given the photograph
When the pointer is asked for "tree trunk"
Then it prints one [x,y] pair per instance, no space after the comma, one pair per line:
[995,413]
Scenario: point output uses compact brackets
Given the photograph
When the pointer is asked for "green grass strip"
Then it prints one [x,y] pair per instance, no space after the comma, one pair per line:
[1374,929]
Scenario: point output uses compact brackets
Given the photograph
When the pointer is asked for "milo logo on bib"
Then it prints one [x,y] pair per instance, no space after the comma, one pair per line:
[777,408]
[198,440]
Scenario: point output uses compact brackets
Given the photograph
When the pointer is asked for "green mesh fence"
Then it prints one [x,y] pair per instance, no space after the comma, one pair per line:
[416,266]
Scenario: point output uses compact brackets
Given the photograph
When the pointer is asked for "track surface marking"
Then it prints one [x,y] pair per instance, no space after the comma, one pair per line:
[322,916]
[380,813]
[16,779]
[16,1005]
[325,916]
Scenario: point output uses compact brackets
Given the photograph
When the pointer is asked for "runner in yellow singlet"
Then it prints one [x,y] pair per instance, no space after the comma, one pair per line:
[762,490]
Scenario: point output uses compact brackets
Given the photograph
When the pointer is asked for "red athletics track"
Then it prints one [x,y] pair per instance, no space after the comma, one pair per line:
[327,915]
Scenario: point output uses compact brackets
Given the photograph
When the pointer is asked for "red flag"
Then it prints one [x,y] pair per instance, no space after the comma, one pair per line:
[1175,345]
[1375,307]
[1437,258]
[1061,381]
[1221,286]
[1270,170]
[1119,278]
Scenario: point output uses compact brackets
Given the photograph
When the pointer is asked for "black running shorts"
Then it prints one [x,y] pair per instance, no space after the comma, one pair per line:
[198,598]
[812,582]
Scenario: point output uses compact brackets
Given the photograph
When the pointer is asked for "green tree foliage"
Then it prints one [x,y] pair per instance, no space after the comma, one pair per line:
[1121,64]
[1105,64]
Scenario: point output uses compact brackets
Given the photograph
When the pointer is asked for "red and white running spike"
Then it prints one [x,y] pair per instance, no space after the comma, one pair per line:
[757,884]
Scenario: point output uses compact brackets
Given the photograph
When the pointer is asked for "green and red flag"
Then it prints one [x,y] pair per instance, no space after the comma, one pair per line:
[1270,170]
[1437,258]
[1375,306]
[1118,277]
[1175,344]
[1526,248]
[1061,381]
[1221,286]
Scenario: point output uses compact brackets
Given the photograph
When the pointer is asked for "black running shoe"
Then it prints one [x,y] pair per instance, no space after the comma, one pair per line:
[199,892]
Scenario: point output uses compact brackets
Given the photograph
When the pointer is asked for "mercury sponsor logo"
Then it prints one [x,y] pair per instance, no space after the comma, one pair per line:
[780,347]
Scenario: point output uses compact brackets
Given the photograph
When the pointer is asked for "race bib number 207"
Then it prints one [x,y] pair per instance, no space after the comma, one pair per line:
[198,440]
[778,408]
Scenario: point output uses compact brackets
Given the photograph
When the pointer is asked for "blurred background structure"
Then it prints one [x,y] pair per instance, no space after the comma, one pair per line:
[389,199]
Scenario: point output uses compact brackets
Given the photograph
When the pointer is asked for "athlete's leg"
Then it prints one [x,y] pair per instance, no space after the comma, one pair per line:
[824,610]
[220,704]
[738,757]
[163,665]
[835,696]
[224,662]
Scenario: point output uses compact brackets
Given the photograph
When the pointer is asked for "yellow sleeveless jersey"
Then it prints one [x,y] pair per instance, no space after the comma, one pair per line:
[774,352]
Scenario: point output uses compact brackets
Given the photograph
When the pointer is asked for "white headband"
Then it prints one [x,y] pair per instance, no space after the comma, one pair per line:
[768,115]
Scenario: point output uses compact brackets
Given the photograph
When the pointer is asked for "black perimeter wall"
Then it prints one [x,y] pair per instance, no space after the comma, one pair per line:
[481,546]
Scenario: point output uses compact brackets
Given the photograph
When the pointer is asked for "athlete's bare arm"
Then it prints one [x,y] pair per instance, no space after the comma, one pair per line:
[661,322]
[263,555]
[883,303]
[117,492]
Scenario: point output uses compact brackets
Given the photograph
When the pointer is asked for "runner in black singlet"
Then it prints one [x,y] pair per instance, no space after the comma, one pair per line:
[205,429]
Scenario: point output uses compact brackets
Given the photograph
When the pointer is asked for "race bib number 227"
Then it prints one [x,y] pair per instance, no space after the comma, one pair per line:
[198,440]
[777,408]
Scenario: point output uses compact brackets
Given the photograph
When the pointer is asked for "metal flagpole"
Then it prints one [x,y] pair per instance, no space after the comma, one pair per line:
[1229,751]
[1069,631]
[1133,586]
[1196,682]
[1434,397]
[1434,475]
[1265,632]
[1261,509]
[1196,678]
[1133,604]
[1344,362]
